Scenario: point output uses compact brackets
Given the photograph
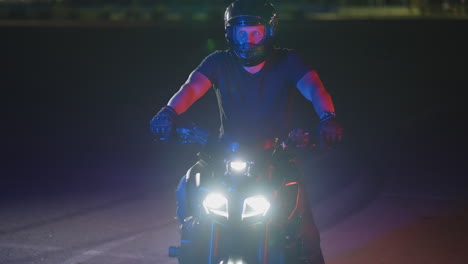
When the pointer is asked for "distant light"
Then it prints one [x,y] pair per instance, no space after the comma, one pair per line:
[210,45]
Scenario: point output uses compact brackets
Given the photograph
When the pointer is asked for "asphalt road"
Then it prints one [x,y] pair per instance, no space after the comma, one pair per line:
[361,220]
[138,226]
[93,228]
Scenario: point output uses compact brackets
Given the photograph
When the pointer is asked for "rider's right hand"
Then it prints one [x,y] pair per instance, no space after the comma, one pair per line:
[163,122]
[330,133]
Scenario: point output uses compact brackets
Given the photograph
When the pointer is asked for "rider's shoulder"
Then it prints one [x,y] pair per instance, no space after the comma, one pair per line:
[216,57]
[217,54]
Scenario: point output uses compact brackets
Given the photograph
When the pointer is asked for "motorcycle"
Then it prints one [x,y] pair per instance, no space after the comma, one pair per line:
[245,201]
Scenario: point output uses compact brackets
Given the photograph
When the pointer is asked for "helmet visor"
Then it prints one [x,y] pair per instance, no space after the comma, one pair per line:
[245,20]
[249,35]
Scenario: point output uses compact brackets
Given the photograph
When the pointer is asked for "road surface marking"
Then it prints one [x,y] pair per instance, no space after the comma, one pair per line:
[53,248]
[100,250]
[420,196]
[25,246]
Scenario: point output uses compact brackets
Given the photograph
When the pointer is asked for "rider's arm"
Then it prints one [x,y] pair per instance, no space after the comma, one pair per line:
[193,89]
[313,90]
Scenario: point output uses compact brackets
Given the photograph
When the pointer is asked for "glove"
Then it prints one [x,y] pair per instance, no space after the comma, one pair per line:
[330,132]
[162,123]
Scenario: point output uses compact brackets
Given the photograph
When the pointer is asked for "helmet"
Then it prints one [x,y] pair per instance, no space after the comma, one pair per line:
[250,13]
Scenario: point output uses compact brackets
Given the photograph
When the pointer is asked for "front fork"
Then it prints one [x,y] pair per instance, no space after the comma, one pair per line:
[248,245]
[193,242]
[213,243]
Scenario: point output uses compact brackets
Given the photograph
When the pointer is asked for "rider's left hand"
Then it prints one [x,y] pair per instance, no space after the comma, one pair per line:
[330,132]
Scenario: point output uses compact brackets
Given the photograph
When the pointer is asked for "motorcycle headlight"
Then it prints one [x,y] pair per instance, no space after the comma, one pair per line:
[255,205]
[216,203]
[238,166]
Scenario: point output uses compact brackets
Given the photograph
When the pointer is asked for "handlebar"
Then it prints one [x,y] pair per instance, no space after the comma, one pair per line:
[187,134]
[297,138]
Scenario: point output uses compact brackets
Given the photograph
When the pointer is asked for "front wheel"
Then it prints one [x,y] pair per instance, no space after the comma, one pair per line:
[194,243]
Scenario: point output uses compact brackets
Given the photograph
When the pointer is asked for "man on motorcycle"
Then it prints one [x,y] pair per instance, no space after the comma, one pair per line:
[253,81]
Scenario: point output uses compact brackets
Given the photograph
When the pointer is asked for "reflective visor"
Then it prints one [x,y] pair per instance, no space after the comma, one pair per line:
[245,20]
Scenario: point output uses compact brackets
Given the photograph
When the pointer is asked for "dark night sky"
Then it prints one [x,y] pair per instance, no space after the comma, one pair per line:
[77,101]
